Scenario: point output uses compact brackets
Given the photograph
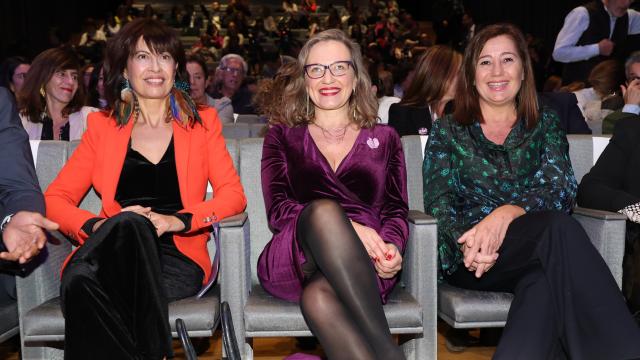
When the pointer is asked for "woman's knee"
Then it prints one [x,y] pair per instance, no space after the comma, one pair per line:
[322,211]
[129,219]
[316,297]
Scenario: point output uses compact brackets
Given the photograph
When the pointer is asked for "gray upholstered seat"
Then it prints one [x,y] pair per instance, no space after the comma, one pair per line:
[8,320]
[236,131]
[256,130]
[411,310]
[247,118]
[463,308]
[42,323]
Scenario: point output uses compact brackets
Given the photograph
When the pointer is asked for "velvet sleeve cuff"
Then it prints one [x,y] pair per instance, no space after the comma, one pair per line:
[186,220]
[87,228]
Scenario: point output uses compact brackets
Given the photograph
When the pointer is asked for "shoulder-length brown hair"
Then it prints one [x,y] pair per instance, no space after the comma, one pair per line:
[435,70]
[30,101]
[296,110]
[159,38]
[467,98]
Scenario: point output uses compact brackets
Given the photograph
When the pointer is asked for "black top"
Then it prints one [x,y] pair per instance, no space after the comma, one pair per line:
[47,130]
[409,120]
[566,105]
[612,183]
[156,185]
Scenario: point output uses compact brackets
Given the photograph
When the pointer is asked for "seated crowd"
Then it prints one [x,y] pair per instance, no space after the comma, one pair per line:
[497,176]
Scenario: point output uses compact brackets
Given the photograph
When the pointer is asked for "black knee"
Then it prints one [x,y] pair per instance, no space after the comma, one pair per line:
[565,225]
[129,219]
[322,210]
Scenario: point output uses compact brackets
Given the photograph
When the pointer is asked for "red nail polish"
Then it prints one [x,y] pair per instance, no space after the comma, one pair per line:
[388,257]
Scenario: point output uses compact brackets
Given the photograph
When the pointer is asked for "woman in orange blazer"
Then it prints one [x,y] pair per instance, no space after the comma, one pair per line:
[150,159]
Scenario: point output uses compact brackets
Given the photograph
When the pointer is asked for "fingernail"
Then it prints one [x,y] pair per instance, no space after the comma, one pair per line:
[388,257]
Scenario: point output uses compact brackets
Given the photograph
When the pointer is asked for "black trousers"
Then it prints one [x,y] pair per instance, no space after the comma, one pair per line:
[566,302]
[114,298]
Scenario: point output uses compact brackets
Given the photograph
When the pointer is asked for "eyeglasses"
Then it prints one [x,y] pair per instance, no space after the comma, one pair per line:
[234,71]
[338,68]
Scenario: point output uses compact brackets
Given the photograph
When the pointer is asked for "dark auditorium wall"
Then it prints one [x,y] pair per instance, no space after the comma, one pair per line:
[25,24]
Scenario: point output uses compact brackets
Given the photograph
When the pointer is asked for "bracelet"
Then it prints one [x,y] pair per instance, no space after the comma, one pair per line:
[5,221]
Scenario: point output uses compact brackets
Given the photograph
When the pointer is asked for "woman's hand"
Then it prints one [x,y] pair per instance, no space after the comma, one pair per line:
[481,243]
[373,243]
[162,223]
[388,266]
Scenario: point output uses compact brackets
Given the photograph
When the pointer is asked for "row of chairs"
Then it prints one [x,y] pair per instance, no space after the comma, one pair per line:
[242,130]
[413,307]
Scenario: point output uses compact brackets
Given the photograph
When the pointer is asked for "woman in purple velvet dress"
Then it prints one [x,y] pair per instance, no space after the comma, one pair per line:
[334,185]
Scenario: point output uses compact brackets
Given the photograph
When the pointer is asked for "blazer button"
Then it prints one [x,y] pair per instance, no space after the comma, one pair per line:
[207,219]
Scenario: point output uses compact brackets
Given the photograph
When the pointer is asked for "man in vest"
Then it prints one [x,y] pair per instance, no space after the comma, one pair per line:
[597,31]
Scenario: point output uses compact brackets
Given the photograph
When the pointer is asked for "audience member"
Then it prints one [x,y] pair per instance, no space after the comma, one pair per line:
[95,90]
[21,202]
[605,78]
[233,70]
[52,98]
[432,87]
[612,185]
[337,246]
[384,94]
[147,247]
[599,30]
[630,94]
[13,71]
[198,81]
[498,179]
[565,104]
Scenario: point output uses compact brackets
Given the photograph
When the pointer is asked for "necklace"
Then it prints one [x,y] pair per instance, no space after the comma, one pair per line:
[336,134]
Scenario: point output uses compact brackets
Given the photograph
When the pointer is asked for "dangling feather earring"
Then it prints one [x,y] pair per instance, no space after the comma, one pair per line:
[128,104]
[42,93]
[183,108]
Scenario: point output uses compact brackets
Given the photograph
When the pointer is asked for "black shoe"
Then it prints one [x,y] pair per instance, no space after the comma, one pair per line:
[189,351]
[458,340]
[228,334]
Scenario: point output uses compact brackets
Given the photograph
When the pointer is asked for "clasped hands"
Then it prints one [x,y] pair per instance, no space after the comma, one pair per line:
[387,258]
[162,223]
[24,237]
[480,244]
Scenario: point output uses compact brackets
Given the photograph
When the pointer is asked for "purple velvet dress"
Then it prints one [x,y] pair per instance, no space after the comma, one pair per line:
[370,184]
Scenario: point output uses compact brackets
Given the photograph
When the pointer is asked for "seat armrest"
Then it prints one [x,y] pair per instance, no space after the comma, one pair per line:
[419,270]
[235,268]
[234,221]
[42,281]
[606,230]
[599,214]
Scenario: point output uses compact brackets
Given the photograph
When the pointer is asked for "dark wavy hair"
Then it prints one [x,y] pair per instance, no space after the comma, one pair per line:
[7,69]
[30,101]
[467,98]
[158,37]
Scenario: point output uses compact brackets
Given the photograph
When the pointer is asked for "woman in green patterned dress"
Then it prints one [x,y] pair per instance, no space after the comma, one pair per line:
[498,179]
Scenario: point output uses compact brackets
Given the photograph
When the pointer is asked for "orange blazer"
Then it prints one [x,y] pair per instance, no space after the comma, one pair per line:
[201,155]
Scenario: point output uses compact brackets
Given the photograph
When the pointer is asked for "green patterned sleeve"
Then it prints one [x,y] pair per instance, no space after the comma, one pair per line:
[553,186]
[438,181]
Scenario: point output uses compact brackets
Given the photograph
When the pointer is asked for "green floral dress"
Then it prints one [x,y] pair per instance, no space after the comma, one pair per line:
[466,176]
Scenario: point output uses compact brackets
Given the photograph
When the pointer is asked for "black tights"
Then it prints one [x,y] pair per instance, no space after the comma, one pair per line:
[340,301]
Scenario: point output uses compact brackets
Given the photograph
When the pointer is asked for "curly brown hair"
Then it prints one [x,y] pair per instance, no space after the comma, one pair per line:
[289,94]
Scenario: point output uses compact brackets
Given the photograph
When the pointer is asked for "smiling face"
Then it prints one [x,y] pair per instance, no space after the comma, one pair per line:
[330,92]
[151,75]
[498,72]
[62,86]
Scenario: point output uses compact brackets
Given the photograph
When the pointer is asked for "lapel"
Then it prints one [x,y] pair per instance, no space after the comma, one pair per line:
[182,147]
[114,150]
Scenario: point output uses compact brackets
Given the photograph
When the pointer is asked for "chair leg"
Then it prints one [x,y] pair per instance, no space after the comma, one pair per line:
[228,333]
[189,351]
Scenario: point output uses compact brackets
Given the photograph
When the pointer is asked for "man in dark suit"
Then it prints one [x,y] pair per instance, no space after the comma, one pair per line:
[21,202]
